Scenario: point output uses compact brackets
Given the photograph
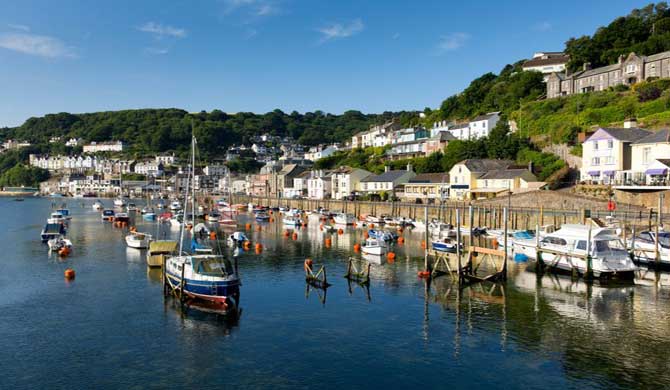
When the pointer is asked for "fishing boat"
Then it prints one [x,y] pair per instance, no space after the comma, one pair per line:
[65,213]
[569,246]
[97,205]
[175,205]
[206,277]
[374,219]
[441,229]
[237,239]
[383,235]
[446,245]
[643,246]
[119,202]
[344,219]
[58,243]
[132,207]
[108,215]
[138,240]
[199,247]
[52,230]
[374,246]
[56,217]
[149,216]
[121,218]
[290,220]
[262,217]
[159,250]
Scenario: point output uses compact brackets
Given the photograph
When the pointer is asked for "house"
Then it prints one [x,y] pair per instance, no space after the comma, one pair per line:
[460,131]
[386,182]
[438,142]
[649,158]
[299,188]
[503,181]
[628,70]
[319,185]
[284,178]
[463,176]
[427,187]
[72,142]
[215,170]
[482,125]
[259,184]
[14,144]
[166,159]
[239,186]
[376,136]
[95,147]
[149,168]
[607,154]
[346,181]
[547,62]
[319,152]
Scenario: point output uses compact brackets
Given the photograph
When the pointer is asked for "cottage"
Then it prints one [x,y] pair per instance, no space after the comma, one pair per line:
[346,181]
[463,176]
[386,182]
[427,187]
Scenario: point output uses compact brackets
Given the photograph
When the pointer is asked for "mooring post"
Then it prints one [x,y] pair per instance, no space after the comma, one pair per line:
[632,244]
[471,241]
[458,244]
[538,250]
[504,267]
[425,251]
[589,264]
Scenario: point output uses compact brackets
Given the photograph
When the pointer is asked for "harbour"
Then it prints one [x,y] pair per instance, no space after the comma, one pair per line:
[114,314]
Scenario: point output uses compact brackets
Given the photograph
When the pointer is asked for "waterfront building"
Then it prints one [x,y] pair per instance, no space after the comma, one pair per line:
[628,70]
[427,187]
[463,176]
[319,185]
[650,157]
[386,182]
[346,181]
[299,188]
[607,153]
[96,147]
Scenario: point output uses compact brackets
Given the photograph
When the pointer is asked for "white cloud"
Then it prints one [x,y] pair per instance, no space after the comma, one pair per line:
[452,41]
[21,27]
[37,45]
[160,30]
[542,26]
[339,31]
[258,8]
[156,51]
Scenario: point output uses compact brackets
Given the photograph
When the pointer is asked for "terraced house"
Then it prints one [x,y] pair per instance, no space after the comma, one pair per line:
[627,71]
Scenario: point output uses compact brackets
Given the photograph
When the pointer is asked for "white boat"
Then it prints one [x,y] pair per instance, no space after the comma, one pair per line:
[132,207]
[97,205]
[291,221]
[213,217]
[644,247]
[175,205]
[344,219]
[119,202]
[374,219]
[374,246]
[609,258]
[56,217]
[138,240]
[419,225]
[58,243]
[441,230]
[237,239]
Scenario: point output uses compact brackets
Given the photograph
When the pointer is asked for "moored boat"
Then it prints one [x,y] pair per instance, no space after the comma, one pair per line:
[344,219]
[138,240]
[108,215]
[121,218]
[52,230]
[374,246]
[97,205]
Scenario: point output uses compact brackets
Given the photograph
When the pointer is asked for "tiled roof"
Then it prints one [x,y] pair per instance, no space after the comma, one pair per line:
[631,135]
[552,60]
[439,177]
[656,137]
[385,177]
[484,165]
[485,116]
[507,174]
[658,56]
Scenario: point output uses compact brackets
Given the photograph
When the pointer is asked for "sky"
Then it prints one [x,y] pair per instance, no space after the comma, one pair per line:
[258,55]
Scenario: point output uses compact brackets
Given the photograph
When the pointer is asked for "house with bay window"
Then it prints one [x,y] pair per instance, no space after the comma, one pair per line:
[607,154]
[650,159]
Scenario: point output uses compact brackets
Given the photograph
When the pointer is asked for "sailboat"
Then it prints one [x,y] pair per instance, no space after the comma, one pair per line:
[207,277]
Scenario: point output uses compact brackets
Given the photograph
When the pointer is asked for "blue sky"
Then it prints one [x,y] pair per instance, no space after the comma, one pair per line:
[258,55]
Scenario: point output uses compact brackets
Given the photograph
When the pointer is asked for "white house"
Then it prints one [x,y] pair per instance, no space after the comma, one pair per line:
[649,158]
[346,181]
[149,168]
[547,62]
[166,159]
[318,152]
[482,125]
[72,142]
[95,147]
[215,170]
[387,181]
[319,185]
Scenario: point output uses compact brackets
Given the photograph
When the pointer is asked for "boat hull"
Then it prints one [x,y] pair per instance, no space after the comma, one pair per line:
[218,292]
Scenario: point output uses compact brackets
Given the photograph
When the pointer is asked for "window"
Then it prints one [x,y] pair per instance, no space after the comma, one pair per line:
[609,160]
[595,145]
[632,68]
[595,161]
[581,245]
[646,155]
[610,144]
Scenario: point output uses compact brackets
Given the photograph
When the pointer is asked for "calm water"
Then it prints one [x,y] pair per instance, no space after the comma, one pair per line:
[112,328]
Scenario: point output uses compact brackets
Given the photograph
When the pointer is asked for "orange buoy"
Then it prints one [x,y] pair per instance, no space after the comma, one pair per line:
[357,247]
[259,246]
[390,256]
[272,219]
[495,243]
[69,273]
[328,242]
[295,236]
[308,264]
[372,226]
[366,235]
[259,228]
[340,231]
[423,244]
[258,251]
[64,251]
[286,233]
[271,212]
[247,226]
[212,235]
[423,274]
[401,240]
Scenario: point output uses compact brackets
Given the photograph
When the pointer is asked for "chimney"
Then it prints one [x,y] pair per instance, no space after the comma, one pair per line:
[630,123]
[530,166]
[386,168]
[621,58]
[409,167]
[587,66]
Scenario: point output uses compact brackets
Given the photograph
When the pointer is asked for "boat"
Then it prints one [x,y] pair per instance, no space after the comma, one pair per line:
[165,217]
[159,250]
[446,245]
[213,217]
[149,216]
[199,248]
[609,258]
[643,246]
[374,219]
[344,219]
[108,215]
[237,239]
[138,240]
[132,207]
[56,217]
[175,205]
[441,229]
[121,218]
[291,221]
[52,230]
[64,212]
[147,209]
[388,220]
[160,205]
[119,202]
[383,235]
[374,246]
[97,205]
[262,217]
[211,278]
[58,243]
[419,225]
[227,221]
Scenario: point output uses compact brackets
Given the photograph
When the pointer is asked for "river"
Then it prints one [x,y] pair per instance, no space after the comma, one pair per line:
[111,327]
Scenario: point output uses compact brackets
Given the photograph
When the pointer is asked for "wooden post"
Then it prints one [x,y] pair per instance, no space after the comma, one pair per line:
[541,215]
[471,240]
[426,238]
[504,267]
[458,244]
[538,252]
[589,264]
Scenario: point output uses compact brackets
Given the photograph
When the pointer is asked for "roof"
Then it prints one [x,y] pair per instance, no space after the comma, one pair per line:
[443,136]
[552,59]
[656,137]
[485,116]
[385,177]
[430,178]
[506,174]
[459,126]
[631,134]
[484,165]
[602,69]
[658,56]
